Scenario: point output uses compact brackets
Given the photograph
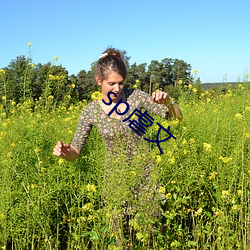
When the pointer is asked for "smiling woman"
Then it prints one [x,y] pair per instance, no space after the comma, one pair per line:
[119,139]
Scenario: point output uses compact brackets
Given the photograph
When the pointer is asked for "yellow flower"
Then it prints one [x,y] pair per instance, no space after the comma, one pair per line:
[90,217]
[135,86]
[95,96]
[171,160]
[198,212]
[180,82]
[190,86]
[137,81]
[73,85]
[2,72]
[192,140]
[235,207]
[37,149]
[239,192]
[81,219]
[207,147]
[164,124]
[56,58]
[3,97]
[238,116]
[225,159]
[225,193]
[162,190]
[195,71]
[168,196]
[174,122]
[91,188]
[29,44]
[184,142]
[50,97]
[51,77]
[247,108]
[133,173]
[2,217]
[4,124]
[212,175]
[194,90]
[61,161]
[33,186]
[108,215]
[87,207]
[158,159]
[218,212]
[247,135]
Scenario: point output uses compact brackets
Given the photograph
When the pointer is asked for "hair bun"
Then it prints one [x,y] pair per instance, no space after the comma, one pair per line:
[111,52]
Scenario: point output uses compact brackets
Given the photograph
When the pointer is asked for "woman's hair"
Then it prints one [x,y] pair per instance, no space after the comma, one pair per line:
[110,60]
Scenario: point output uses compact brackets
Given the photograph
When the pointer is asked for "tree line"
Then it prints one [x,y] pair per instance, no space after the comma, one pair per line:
[22,79]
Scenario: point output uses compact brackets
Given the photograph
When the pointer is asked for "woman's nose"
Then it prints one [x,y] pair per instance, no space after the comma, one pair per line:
[116,87]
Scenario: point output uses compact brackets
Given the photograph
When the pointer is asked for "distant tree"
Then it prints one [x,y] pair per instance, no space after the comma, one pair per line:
[26,80]
[155,70]
[168,72]
[74,85]
[181,71]
[86,84]
[18,79]
[50,79]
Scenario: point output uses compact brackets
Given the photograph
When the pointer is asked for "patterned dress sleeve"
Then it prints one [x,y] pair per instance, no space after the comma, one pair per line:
[84,127]
[147,102]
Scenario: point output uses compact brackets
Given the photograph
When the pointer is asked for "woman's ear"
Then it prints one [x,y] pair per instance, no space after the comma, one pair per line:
[98,80]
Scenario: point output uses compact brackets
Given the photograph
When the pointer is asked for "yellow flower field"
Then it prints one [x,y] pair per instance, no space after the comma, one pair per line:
[203,177]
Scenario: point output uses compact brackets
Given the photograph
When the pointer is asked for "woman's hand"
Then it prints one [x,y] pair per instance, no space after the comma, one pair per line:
[161,97]
[66,151]
[61,149]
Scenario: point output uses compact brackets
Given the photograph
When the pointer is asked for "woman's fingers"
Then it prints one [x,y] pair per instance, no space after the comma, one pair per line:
[61,149]
[160,97]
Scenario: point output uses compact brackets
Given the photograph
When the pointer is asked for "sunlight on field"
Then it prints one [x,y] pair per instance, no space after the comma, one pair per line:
[47,203]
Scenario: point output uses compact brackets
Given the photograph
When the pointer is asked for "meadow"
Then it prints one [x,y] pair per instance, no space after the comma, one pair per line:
[48,203]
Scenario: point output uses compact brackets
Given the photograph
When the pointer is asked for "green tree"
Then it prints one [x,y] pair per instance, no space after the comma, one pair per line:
[181,71]
[86,84]
[18,79]
[52,80]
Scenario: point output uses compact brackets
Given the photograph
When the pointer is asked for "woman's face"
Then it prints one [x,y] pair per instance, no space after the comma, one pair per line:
[114,82]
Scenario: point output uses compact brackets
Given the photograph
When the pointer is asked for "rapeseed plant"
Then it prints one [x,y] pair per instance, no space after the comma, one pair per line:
[97,95]
[207,147]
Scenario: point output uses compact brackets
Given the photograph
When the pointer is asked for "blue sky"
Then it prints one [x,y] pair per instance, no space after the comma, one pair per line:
[212,36]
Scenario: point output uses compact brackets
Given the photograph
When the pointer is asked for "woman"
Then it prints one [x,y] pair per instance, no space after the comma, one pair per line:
[110,74]
[119,138]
